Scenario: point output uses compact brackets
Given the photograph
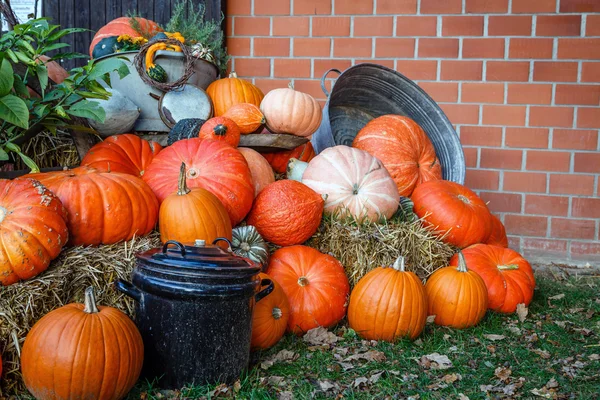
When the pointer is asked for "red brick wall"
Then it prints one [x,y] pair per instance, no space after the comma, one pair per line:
[519,79]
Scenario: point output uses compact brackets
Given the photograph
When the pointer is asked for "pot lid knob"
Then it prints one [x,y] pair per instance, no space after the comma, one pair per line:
[200,242]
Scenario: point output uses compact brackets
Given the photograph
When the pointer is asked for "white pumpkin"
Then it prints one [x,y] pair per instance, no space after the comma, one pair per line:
[353,182]
[121,114]
[289,111]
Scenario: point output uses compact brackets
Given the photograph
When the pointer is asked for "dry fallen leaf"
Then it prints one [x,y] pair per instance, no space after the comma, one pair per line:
[503,373]
[275,381]
[522,311]
[552,384]
[346,366]
[375,377]
[494,337]
[514,329]
[543,392]
[451,378]
[594,357]
[360,381]
[430,319]
[462,397]
[285,396]
[326,385]
[557,297]
[435,361]
[371,355]
[282,356]
[320,336]
[542,353]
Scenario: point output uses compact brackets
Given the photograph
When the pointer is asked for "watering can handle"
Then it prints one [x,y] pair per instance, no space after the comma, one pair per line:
[325,77]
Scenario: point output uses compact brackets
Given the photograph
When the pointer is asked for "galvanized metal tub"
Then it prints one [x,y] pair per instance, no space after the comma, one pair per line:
[367,91]
[139,92]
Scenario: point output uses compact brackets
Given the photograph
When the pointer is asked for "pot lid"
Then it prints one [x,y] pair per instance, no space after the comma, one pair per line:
[189,101]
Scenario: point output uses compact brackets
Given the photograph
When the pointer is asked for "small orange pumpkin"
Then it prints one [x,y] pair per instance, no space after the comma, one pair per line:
[388,303]
[230,91]
[279,160]
[286,212]
[262,173]
[497,233]
[270,318]
[457,296]
[248,117]
[221,129]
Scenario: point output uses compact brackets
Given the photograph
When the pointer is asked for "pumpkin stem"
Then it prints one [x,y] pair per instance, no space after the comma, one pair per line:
[463,199]
[90,301]
[3,212]
[295,169]
[277,313]
[462,264]
[245,246]
[399,264]
[302,281]
[220,130]
[355,189]
[232,74]
[291,85]
[182,188]
[508,267]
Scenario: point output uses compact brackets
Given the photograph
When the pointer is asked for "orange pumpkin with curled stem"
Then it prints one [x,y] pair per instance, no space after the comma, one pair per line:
[456,296]
[270,317]
[388,304]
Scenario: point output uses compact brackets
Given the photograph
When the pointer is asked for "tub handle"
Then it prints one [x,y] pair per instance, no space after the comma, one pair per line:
[176,244]
[128,289]
[325,77]
[222,239]
[266,291]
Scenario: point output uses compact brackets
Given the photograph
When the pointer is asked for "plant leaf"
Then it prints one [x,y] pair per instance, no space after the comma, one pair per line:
[109,65]
[42,74]
[29,162]
[20,88]
[6,77]
[3,155]
[14,110]
[88,109]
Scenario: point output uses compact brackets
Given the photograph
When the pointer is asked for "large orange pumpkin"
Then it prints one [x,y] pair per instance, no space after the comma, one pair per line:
[82,351]
[507,275]
[247,117]
[103,207]
[388,303]
[212,165]
[227,92]
[352,181]
[315,284]
[126,153]
[187,215]
[33,229]
[262,173]
[279,160]
[270,317]
[455,209]
[403,148]
[286,212]
[290,111]
[456,296]
[497,233]
[221,128]
[123,26]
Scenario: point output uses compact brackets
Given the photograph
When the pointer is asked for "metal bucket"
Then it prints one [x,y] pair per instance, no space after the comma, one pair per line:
[139,92]
[367,91]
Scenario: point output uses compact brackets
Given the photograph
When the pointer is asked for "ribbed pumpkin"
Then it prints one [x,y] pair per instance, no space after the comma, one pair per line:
[507,275]
[33,229]
[388,304]
[451,207]
[279,160]
[403,148]
[286,213]
[246,242]
[221,129]
[123,26]
[456,296]
[290,111]
[103,208]
[191,214]
[352,181]
[270,317]
[126,153]
[247,116]
[315,284]
[211,165]
[227,92]
[82,351]
[262,173]
[497,233]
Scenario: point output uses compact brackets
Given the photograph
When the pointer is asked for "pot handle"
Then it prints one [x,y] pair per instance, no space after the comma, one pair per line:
[222,239]
[266,291]
[325,77]
[176,244]
[128,289]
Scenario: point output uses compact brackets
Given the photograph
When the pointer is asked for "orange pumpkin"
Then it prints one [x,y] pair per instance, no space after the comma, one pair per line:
[188,215]
[279,160]
[270,317]
[262,173]
[248,117]
[497,233]
[403,148]
[123,26]
[290,111]
[82,351]
[221,129]
[230,91]
[388,303]
[454,209]
[286,213]
[126,153]
[456,296]
[507,275]
[212,165]
[315,284]
[103,207]
[33,229]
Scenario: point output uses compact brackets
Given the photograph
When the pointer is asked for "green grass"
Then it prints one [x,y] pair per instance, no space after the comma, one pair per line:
[543,350]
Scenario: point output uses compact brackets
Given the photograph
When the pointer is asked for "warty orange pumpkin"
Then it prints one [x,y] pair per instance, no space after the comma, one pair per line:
[221,129]
[230,91]
[270,317]
[247,117]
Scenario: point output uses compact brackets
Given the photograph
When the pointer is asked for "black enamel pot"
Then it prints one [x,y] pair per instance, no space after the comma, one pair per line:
[194,310]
